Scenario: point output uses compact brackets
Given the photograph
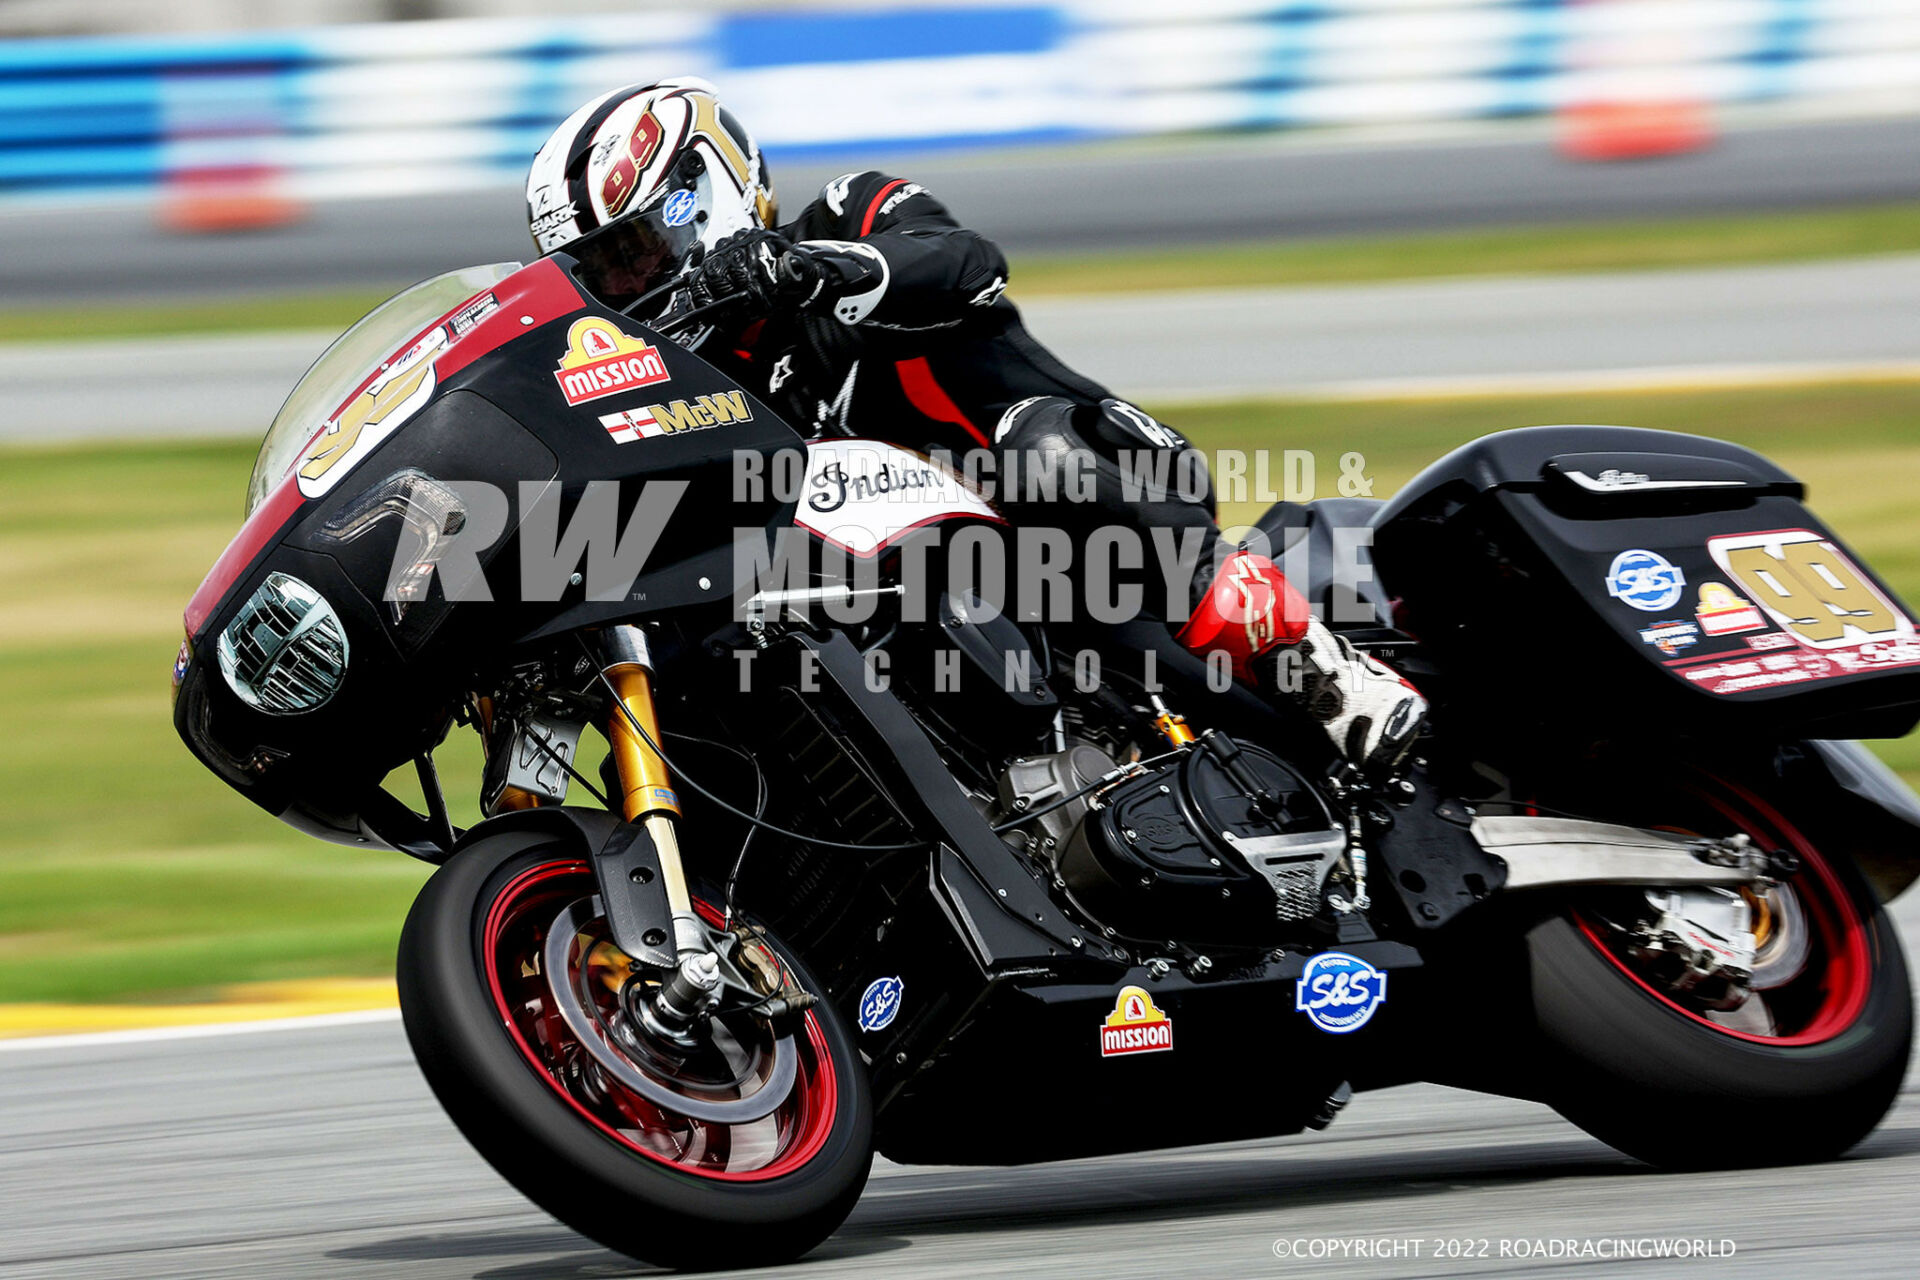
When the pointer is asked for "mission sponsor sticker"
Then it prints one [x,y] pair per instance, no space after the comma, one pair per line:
[1723,613]
[677,416]
[1136,1025]
[601,361]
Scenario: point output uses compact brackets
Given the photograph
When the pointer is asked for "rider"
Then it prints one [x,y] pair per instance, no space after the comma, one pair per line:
[876,314]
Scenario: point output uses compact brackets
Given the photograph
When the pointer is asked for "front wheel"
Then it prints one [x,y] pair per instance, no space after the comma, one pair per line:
[1795,1064]
[597,1142]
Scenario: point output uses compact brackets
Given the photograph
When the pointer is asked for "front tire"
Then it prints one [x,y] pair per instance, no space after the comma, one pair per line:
[639,1180]
[1801,1077]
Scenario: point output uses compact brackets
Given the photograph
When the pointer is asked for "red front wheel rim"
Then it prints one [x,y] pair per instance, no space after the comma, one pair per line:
[1828,995]
[514,935]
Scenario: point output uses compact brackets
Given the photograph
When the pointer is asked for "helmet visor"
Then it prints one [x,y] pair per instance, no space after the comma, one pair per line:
[627,257]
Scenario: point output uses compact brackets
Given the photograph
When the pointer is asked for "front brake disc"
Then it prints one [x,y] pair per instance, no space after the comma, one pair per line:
[697,1100]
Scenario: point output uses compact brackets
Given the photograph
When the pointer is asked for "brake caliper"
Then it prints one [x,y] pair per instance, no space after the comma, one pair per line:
[1702,940]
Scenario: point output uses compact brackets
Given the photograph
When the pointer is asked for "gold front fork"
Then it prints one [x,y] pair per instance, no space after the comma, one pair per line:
[646,789]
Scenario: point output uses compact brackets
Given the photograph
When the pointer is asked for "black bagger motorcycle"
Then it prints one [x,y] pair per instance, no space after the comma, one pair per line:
[842,883]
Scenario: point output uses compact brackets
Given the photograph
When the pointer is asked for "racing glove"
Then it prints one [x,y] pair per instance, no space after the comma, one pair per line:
[843,277]
[745,267]
[767,273]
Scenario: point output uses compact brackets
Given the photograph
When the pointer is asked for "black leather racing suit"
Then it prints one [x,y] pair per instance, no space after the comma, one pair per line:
[938,358]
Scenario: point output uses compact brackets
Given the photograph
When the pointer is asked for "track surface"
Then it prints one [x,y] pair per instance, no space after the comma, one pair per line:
[320,1153]
[1414,337]
[1137,195]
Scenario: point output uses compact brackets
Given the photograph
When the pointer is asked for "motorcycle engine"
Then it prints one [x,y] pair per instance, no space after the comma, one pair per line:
[1227,844]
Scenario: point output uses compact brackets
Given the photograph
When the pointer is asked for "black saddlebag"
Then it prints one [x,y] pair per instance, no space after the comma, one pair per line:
[1608,579]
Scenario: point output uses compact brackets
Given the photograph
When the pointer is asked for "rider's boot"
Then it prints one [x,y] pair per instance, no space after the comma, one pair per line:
[1253,614]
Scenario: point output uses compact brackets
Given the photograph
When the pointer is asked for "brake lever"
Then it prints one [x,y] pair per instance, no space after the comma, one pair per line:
[670,287]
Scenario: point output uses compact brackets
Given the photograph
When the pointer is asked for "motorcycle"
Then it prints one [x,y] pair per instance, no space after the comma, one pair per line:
[799,914]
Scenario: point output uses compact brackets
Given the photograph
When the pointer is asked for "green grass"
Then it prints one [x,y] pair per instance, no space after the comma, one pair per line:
[122,870]
[330,311]
[1598,246]
[126,870]
[1576,247]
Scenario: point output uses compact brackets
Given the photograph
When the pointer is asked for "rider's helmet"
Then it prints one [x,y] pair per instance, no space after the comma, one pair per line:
[633,181]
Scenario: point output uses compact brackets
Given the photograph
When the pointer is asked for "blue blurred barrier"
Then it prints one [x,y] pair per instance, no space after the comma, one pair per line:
[439,106]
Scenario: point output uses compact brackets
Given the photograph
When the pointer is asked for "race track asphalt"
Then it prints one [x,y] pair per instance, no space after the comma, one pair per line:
[295,1155]
[1135,195]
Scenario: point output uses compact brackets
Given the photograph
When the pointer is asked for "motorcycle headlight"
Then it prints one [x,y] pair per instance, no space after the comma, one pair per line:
[285,651]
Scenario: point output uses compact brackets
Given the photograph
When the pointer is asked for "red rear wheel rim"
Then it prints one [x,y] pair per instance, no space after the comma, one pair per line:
[1829,994]
[515,930]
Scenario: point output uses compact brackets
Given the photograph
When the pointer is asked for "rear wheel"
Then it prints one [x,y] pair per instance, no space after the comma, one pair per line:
[746,1149]
[1795,1064]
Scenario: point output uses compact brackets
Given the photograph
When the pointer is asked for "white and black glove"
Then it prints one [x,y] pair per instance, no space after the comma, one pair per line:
[1369,710]
[841,277]
[744,267]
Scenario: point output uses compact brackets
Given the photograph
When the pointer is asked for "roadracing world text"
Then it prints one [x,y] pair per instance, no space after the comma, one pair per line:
[1521,1248]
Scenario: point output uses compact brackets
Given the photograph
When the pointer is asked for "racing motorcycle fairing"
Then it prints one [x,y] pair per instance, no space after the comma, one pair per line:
[529,390]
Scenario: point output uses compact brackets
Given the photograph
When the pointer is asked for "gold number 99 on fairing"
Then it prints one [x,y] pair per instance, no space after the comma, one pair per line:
[1810,587]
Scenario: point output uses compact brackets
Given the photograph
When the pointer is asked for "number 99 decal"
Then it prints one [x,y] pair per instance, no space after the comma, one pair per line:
[623,179]
[1810,588]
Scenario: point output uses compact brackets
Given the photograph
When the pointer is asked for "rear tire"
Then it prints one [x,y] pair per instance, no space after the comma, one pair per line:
[1642,1073]
[522,1119]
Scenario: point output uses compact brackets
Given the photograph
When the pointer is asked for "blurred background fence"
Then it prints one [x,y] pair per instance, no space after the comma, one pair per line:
[429,106]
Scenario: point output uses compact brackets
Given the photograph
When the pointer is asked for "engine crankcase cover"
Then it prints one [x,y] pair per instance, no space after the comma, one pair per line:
[1158,858]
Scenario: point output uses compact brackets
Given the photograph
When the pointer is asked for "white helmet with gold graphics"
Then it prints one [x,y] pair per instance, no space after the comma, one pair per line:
[631,182]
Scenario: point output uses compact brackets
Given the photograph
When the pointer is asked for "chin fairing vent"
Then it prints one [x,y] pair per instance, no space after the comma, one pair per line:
[285,652]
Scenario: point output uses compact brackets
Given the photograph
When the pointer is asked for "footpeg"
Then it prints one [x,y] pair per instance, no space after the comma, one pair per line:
[1335,1103]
